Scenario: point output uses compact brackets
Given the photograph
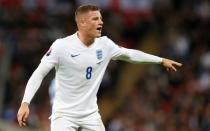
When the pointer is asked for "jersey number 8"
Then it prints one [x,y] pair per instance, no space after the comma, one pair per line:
[89,72]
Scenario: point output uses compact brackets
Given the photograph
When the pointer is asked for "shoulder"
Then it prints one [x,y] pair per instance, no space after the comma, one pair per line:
[108,42]
[105,40]
[62,42]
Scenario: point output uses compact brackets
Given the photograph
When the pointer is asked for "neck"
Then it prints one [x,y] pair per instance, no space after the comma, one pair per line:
[87,40]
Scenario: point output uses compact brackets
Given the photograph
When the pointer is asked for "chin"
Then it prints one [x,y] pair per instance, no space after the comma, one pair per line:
[99,35]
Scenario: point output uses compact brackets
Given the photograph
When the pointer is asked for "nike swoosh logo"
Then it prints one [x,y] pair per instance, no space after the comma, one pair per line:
[72,55]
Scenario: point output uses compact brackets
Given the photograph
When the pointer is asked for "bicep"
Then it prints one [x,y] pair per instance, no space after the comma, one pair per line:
[44,68]
[53,54]
[119,53]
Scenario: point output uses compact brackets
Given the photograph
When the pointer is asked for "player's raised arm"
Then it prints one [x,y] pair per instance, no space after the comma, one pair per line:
[136,56]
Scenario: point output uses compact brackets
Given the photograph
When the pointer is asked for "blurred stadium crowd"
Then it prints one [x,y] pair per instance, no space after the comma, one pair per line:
[159,101]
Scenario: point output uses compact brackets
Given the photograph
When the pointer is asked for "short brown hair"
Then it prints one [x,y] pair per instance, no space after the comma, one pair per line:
[85,8]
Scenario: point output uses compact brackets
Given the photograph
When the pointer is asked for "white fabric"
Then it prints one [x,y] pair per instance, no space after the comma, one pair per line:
[65,124]
[35,81]
[79,71]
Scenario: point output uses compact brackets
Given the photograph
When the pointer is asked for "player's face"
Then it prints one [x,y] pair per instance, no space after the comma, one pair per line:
[94,23]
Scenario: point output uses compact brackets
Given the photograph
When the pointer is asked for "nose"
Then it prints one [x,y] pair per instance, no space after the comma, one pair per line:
[101,22]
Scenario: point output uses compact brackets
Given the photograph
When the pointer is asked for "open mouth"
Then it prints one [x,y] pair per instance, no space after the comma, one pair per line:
[99,28]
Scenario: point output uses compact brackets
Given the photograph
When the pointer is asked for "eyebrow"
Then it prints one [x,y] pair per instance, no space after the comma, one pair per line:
[96,17]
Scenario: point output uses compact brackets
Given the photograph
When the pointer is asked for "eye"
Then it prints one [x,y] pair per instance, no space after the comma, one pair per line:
[95,18]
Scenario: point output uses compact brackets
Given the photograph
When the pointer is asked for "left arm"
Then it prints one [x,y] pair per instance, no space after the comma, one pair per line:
[135,56]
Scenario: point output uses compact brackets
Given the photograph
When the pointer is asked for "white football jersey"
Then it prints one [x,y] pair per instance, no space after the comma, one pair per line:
[79,72]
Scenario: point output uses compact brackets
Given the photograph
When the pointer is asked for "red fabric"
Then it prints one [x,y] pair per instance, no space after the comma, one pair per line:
[10,4]
[115,5]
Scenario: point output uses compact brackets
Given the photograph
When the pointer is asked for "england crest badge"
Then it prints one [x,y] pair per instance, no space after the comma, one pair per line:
[99,54]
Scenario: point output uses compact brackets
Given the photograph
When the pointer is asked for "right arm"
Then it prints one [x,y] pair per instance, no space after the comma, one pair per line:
[49,61]
[35,81]
[31,88]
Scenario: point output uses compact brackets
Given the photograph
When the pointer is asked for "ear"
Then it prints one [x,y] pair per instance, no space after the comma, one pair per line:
[80,23]
[83,22]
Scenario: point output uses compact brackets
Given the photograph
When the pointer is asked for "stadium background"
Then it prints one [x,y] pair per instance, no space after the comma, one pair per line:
[132,97]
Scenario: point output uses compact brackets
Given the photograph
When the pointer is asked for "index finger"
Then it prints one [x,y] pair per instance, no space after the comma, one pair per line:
[177,63]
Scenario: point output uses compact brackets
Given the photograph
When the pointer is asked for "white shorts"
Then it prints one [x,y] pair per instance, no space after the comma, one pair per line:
[64,124]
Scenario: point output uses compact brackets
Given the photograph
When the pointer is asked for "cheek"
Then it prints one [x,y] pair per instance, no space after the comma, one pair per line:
[91,27]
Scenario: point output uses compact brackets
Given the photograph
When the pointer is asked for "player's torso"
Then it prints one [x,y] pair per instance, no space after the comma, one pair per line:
[79,72]
[80,63]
